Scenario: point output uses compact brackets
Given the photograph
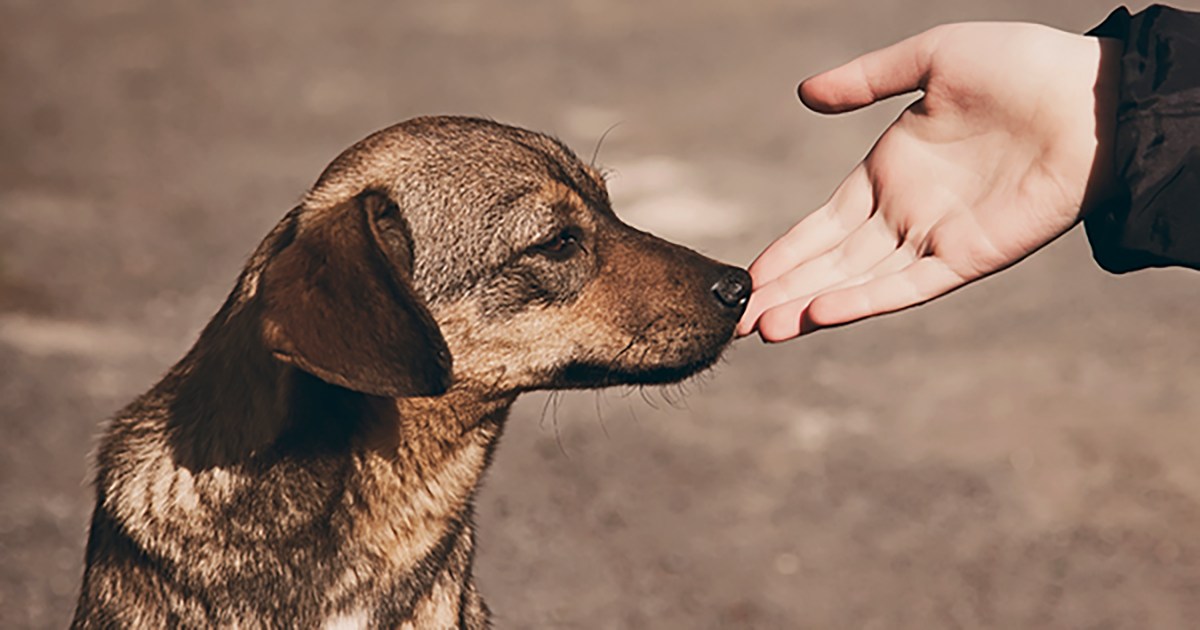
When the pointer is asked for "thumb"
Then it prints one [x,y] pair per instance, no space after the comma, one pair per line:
[897,69]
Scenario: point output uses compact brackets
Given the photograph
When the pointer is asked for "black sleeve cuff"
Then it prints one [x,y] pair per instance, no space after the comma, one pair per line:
[1154,221]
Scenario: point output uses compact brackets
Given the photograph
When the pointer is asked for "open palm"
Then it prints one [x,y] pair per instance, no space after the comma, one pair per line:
[1004,152]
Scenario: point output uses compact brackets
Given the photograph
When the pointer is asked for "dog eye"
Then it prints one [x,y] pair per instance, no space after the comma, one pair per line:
[561,245]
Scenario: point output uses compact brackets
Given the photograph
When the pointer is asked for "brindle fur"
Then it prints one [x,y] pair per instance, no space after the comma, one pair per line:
[311,462]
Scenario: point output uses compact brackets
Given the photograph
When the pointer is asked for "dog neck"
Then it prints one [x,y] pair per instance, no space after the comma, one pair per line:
[391,479]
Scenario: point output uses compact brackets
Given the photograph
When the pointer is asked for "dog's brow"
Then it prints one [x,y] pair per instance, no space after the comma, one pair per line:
[565,168]
[510,197]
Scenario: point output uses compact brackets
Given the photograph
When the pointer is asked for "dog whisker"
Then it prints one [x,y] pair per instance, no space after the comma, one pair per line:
[600,414]
[545,408]
[557,435]
[646,398]
[600,143]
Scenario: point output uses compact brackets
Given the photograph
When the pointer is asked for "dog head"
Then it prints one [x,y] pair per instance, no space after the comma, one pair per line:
[461,251]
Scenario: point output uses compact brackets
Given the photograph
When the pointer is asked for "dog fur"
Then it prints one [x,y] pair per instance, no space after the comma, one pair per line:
[311,461]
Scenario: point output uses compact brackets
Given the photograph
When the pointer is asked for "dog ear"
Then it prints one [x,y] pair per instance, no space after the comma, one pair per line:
[339,303]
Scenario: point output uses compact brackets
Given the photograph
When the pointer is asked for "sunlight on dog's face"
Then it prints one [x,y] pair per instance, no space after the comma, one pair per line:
[556,292]
[515,258]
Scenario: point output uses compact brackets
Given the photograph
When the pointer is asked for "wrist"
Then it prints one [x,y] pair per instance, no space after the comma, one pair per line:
[1102,181]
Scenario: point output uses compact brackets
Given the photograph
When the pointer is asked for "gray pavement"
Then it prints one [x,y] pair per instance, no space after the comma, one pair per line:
[1021,454]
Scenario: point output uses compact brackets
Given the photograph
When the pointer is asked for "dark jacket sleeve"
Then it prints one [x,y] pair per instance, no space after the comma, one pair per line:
[1155,220]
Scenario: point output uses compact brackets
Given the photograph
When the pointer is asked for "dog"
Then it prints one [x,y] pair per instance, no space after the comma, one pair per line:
[311,462]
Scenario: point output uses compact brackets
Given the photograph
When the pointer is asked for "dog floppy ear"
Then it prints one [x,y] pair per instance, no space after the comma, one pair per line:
[339,303]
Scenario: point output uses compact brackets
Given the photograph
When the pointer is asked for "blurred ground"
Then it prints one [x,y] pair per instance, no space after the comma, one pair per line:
[1022,454]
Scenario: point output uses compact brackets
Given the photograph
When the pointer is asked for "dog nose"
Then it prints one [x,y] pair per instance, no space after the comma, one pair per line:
[733,288]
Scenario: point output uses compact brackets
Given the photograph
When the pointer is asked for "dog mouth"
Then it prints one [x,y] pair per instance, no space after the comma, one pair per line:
[647,361]
[591,376]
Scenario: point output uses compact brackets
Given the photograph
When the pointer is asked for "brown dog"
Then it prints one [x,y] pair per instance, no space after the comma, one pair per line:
[311,462]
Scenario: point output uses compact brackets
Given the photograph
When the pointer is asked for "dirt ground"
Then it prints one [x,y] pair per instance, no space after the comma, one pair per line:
[1022,454]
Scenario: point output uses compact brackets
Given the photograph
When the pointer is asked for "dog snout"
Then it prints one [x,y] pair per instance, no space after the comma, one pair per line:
[732,289]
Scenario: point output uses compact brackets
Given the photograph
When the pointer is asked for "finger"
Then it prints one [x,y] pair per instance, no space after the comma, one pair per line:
[919,282]
[898,69]
[761,300]
[863,250]
[848,208]
[785,320]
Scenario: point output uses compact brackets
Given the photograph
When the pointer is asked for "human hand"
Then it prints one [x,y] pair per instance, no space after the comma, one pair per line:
[1007,149]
